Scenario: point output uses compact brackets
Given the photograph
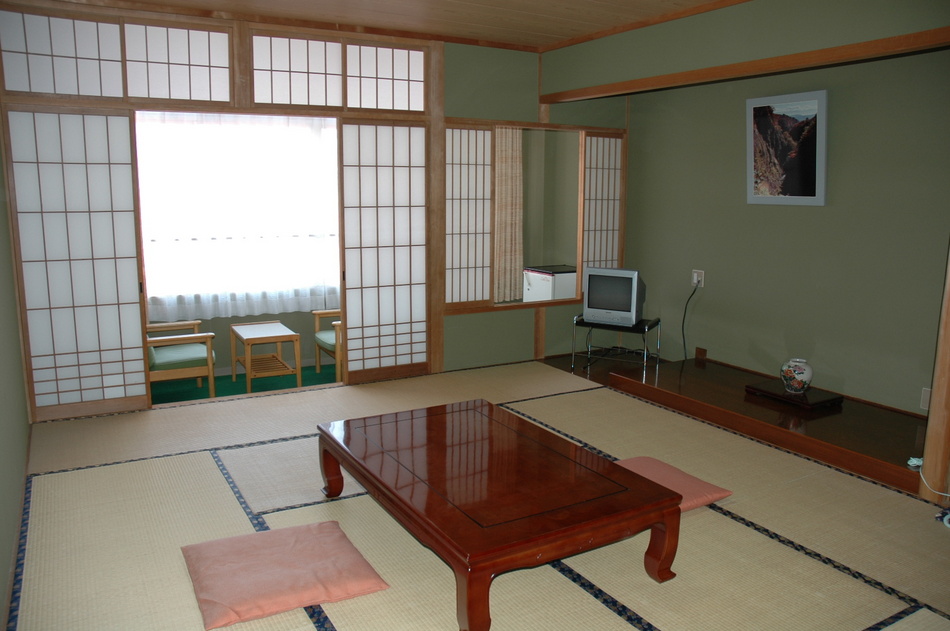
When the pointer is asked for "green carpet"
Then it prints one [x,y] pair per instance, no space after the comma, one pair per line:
[187,390]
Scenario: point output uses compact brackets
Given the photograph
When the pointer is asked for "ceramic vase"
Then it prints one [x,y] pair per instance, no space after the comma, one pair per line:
[796,375]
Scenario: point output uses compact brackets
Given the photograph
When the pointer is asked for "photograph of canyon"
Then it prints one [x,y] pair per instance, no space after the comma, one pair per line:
[785,149]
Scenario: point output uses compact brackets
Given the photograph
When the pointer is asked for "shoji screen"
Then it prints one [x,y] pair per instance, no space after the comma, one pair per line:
[468,219]
[60,56]
[298,71]
[76,235]
[379,77]
[175,63]
[384,232]
[603,201]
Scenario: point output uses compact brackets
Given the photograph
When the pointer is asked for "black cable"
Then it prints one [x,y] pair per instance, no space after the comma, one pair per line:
[683,327]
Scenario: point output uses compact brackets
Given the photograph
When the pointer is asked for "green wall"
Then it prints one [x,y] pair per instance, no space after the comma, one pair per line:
[550,196]
[752,30]
[503,85]
[490,83]
[854,286]
[14,424]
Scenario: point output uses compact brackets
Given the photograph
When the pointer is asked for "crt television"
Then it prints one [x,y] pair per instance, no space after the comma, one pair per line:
[613,296]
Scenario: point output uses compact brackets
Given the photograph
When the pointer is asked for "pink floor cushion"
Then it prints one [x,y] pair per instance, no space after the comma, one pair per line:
[253,576]
[695,492]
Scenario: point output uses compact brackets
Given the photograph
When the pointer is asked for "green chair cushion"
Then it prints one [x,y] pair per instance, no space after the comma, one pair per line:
[177,356]
[326,339]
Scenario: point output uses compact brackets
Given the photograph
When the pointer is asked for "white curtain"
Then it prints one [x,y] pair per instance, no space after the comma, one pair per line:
[508,255]
[239,214]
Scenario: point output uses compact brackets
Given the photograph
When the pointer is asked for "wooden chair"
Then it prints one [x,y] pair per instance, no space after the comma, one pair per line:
[329,341]
[182,356]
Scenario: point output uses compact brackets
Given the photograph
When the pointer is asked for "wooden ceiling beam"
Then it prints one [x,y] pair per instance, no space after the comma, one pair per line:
[850,53]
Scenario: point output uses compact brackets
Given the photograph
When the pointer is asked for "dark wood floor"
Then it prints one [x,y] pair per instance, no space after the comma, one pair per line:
[866,439]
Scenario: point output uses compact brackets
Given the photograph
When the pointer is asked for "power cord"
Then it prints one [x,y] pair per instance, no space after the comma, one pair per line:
[944,515]
[683,326]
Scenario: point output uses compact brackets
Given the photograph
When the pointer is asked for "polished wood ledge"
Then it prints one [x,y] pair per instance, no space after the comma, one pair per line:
[857,436]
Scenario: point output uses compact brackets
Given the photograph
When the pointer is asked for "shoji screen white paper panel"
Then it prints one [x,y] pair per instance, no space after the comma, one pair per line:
[175,63]
[385,78]
[60,56]
[75,226]
[603,204]
[297,71]
[468,215]
[384,232]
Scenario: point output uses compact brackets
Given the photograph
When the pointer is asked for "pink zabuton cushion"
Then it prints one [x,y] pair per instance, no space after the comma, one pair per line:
[252,576]
[695,492]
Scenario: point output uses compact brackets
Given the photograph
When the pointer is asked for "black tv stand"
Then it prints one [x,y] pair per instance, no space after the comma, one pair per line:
[641,328]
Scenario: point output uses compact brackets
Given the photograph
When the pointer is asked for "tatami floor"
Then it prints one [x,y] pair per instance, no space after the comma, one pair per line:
[799,545]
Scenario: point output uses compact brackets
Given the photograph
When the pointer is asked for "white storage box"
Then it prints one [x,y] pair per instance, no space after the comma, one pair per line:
[549,282]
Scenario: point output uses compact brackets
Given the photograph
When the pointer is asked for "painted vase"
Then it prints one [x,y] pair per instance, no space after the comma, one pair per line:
[796,375]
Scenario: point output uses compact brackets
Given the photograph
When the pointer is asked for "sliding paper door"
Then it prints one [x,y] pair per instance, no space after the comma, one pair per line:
[76,238]
[603,201]
[384,240]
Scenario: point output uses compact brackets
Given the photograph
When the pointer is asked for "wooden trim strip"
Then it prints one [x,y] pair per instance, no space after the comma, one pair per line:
[863,51]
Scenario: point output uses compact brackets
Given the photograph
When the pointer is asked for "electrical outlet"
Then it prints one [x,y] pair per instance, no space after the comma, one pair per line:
[925,398]
[698,278]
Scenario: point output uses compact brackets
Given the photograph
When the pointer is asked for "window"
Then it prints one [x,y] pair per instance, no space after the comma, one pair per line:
[298,71]
[603,201]
[175,63]
[385,78]
[60,56]
[468,189]
[239,214]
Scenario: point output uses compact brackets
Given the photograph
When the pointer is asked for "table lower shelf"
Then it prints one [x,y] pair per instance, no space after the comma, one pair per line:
[269,365]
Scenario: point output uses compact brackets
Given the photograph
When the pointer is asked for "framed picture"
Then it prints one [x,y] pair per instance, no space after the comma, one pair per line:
[785,149]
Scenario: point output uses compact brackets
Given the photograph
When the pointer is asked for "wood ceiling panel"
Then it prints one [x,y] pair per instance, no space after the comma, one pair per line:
[534,25]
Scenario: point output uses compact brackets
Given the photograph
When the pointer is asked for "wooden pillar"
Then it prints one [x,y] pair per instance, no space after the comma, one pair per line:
[540,332]
[936,465]
[435,217]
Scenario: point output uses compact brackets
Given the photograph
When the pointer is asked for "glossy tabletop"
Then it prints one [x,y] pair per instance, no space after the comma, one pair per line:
[490,492]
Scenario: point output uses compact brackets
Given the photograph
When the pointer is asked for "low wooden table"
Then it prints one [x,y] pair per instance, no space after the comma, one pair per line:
[264,365]
[490,492]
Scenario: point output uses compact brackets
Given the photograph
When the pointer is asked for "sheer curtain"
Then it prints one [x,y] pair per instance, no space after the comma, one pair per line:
[508,256]
[239,214]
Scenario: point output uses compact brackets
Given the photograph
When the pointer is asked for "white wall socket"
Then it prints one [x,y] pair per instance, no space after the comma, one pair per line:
[698,279]
[925,398]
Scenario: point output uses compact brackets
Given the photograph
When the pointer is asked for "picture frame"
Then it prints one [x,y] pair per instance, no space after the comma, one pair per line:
[786,147]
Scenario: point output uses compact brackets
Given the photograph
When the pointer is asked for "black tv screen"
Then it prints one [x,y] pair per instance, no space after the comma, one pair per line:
[612,293]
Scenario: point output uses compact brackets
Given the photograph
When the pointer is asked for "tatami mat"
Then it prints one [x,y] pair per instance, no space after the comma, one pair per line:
[57,446]
[104,546]
[732,578]
[421,596]
[923,620]
[281,474]
[881,533]
[797,546]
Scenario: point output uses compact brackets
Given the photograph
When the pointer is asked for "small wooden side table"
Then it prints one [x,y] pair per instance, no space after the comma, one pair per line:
[264,365]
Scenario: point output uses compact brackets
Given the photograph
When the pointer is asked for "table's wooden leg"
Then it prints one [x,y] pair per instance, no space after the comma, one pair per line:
[332,476]
[472,599]
[247,364]
[233,357]
[664,537]
[297,360]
